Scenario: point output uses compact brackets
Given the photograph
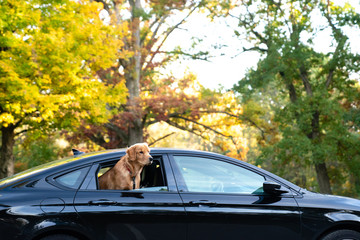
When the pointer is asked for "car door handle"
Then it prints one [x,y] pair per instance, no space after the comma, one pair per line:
[102,202]
[203,202]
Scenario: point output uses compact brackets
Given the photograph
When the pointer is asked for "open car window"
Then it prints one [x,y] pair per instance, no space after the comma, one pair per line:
[152,176]
[214,176]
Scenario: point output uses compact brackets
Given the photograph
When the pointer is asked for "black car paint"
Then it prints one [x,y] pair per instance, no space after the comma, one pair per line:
[133,214]
[321,212]
[226,216]
[34,206]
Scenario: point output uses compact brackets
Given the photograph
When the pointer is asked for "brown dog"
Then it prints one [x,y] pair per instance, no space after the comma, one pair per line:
[125,175]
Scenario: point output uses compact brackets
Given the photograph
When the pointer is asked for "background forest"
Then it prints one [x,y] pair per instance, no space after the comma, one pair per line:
[96,75]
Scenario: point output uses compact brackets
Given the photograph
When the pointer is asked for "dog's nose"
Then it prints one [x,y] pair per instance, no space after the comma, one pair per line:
[151,159]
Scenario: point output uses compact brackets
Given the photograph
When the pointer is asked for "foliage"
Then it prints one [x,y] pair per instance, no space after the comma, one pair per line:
[30,152]
[64,67]
[149,26]
[48,60]
[171,107]
[312,93]
[213,116]
[50,69]
[153,97]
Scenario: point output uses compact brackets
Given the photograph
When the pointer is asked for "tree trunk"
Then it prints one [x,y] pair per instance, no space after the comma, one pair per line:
[133,78]
[320,166]
[323,178]
[135,131]
[7,155]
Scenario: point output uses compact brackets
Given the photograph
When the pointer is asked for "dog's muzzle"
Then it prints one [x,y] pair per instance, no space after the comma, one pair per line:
[151,160]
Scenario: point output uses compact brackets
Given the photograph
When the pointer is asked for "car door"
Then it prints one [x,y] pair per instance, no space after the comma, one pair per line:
[153,212]
[224,200]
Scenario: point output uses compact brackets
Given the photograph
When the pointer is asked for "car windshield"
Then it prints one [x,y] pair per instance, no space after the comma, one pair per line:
[43,167]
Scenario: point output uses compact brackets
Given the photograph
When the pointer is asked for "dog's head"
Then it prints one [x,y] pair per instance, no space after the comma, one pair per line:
[140,154]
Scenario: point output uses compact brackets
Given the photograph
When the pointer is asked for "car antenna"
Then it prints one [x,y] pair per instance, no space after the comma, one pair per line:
[76,152]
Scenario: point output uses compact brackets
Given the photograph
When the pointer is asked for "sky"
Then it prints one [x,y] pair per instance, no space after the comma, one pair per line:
[226,66]
[229,65]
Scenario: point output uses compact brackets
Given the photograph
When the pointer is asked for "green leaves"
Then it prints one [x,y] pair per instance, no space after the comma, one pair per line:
[315,96]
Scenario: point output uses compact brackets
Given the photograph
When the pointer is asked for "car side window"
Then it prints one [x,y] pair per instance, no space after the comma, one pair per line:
[72,179]
[152,176]
[214,176]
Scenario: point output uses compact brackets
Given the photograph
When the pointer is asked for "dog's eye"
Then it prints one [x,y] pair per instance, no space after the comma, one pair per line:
[141,152]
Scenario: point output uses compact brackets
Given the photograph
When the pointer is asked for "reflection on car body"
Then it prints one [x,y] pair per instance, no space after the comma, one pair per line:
[184,195]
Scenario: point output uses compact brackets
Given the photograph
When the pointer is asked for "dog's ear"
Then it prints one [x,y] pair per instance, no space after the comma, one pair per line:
[131,152]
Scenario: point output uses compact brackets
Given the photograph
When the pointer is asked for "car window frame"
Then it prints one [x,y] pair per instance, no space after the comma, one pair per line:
[52,178]
[167,174]
[182,185]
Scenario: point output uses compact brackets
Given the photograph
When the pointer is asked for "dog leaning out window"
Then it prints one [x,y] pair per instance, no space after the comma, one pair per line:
[152,176]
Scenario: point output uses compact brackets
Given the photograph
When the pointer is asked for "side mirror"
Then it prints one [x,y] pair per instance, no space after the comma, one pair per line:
[273,188]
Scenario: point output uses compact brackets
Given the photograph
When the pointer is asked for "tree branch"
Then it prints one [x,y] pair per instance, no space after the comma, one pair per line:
[258,49]
[203,125]
[291,88]
[153,36]
[241,117]
[168,32]
[174,124]
[341,40]
[305,80]
[159,139]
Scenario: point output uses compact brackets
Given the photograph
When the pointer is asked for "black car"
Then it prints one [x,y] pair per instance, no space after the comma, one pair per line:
[184,195]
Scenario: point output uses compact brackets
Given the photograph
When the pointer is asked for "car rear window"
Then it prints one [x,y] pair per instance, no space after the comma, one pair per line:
[29,172]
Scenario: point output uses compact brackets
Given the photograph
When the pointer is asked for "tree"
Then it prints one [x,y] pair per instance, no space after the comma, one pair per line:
[185,105]
[148,29]
[212,116]
[154,97]
[49,54]
[312,85]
